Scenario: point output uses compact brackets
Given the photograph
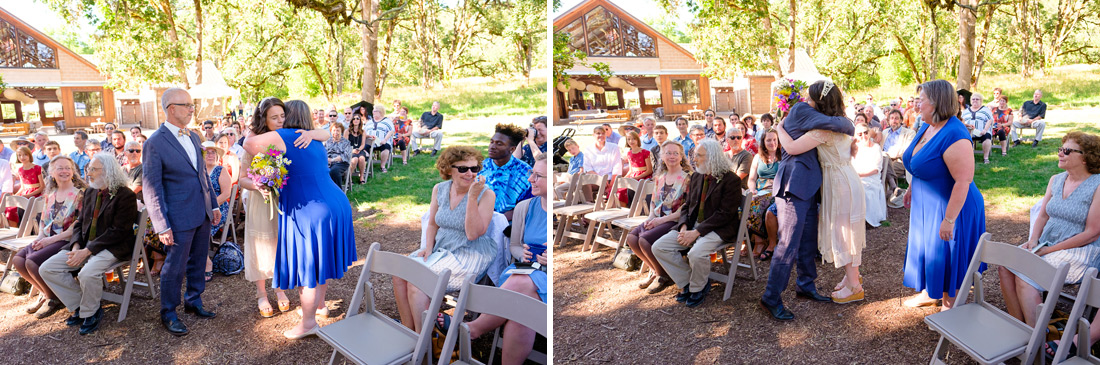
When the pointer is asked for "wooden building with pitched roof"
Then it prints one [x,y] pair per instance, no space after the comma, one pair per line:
[667,77]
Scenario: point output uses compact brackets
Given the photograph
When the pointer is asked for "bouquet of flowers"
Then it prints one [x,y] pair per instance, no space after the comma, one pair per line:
[268,171]
[786,93]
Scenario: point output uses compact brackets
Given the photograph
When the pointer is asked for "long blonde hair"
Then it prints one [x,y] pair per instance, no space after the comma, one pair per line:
[51,183]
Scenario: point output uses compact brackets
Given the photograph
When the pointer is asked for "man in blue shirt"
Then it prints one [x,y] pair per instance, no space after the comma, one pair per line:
[504,173]
[612,135]
[80,157]
[685,138]
[39,153]
[648,142]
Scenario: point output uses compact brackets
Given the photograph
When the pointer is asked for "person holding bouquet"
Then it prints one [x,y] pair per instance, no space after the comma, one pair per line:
[316,237]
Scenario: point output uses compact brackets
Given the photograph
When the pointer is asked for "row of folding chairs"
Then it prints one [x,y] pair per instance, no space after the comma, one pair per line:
[606,214]
[368,336]
[371,160]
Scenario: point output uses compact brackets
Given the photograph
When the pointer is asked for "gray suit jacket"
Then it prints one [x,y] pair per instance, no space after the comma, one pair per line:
[177,195]
[800,175]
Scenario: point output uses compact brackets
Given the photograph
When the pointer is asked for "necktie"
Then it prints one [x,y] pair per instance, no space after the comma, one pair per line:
[183,132]
[95,213]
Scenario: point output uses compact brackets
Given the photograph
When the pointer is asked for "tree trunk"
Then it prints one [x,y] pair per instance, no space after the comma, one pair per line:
[933,47]
[383,66]
[426,44]
[198,50]
[166,7]
[965,75]
[983,43]
[773,51]
[793,31]
[368,42]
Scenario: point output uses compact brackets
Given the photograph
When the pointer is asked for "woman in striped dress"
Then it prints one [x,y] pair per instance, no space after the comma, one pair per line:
[457,233]
[1068,224]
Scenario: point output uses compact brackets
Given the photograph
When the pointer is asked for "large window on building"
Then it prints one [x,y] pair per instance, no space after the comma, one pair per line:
[685,91]
[88,103]
[20,50]
[602,33]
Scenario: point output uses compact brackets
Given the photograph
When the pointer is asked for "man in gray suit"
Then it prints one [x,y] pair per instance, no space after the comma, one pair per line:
[798,193]
[181,205]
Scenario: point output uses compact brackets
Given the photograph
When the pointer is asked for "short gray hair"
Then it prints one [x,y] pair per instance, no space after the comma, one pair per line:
[717,163]
[92,141]
[132,144]
[113,176]
[696,126]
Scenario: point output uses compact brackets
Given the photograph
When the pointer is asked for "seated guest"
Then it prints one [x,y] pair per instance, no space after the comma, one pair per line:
[81,156]
[118,147]
[133,167]
[39,153]
[30,183]
[504,173]
[766,122]
[612,136]
[402,129]
[222,185]
[640,166]
[1067,227]
[576,166]
[53,149]
[379,132]
[233,134]
[1002,122]
[230,160]
[894,142]
[697,133]
[94,147]
[979,121]
[647,138]
[711,205]
[718,131]
[6,179]
[431,125]
[660,134]
[747,142]
[671,181]
[602,158]
[103,235]
[535,136]
[528,244]
[867,162]
[208,130]
[108,130]
[685,134]
[359,148]
[461,233]
[64,189]
[339,154]
[1033,114]
[759,182]
[135,131]
[141,138]
[740,158]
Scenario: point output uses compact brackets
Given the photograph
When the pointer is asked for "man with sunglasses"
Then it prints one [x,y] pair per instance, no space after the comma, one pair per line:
[233,146]
[208,130]
[740,158]
[108,130]
[708,128]
[504,173]
[345,118]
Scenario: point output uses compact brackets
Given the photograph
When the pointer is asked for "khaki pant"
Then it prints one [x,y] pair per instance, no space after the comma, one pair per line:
[86,291]
[894,170]
[1039,126]
[437,135]
[693,271]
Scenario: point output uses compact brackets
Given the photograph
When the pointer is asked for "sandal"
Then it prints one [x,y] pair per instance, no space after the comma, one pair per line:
[648,280]
[442,323]
[840,285]
[265,308]
[1051,349]
[209,276]
[767,255]
[852,296]
[36,304]
[284,302]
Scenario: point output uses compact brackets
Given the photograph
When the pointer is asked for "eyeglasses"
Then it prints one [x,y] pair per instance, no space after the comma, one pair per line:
[538,176]
[861,133]
[93,169]
[133,151]
[332,115]
[1067,151]
[347,113]
[736,137]
[464,169]
[207,128]
[188,106]
[231,134]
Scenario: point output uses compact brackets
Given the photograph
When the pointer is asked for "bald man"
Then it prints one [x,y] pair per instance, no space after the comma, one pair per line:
[181,205]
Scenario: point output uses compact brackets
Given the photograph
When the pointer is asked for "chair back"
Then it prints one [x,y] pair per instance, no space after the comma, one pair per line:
[507,304]
[229,224]
[1078,324]
[584,181]
[12,200]
[573,178]
[882,169]
[627,183]
[640,208]
[29,225]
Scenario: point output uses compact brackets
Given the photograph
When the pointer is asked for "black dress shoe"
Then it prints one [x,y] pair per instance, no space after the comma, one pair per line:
[1034,144]
[695,299]
[812,296]
[74,319]
[683,296]
[198,311]
[778,312]
[91,323]
[174,326]
[434,152]
[1016,143]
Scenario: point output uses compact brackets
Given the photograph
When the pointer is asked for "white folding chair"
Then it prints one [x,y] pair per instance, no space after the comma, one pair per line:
[558,203]
[740,244]
[14,239]
[575,209]
[613,209]
[984,331]
[371,337]
[230,225]
[1078,324]
[131,269]
[507,304]
[636,217]
[347,178]
[9,200]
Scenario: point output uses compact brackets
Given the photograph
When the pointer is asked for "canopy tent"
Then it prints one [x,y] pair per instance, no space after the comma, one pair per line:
[804,68]
[210,92]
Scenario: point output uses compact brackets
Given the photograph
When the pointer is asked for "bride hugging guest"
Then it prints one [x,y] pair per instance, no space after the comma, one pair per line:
[64,190]
[868,161]
[528,244]
[668,197]
[461,209]
[1068,224]
[711,205]
[761,176]
[841,233]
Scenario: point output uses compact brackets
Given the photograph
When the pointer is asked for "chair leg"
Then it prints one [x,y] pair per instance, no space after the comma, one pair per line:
[937,355]
[592,226]
[752,260]
[600,229]
[563,223]
[7,267]
[335,356]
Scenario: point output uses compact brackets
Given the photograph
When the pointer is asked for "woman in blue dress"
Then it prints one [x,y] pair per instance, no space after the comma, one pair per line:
[316,237]
[947,212]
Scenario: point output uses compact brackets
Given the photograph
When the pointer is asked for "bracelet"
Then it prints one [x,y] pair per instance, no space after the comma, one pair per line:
[949,220]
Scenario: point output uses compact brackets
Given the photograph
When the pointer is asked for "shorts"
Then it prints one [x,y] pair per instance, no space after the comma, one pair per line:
[383,147]
[1001,135]
[983,138]
[773,209]
[400,145]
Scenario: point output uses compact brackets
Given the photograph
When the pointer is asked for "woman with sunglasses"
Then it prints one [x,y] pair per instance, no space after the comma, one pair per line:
[358,148]
[457,232]
[1067,227]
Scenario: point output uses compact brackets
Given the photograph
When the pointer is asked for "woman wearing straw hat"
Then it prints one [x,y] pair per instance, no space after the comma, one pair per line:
[220,183]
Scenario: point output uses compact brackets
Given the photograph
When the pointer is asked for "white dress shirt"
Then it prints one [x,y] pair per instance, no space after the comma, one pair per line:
[185,142]
[606,161]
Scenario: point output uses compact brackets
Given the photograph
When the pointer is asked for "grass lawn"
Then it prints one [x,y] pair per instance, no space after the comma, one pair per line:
[464,99]
[1066,87]
[406,190]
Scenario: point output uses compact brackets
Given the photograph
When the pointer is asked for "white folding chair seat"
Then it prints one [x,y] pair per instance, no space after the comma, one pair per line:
[368,336]
[984,331]
[575,209]
[512,306]
[129,280]
[739,245]
[230,225]
[601,219]
[9,200]
[14,239]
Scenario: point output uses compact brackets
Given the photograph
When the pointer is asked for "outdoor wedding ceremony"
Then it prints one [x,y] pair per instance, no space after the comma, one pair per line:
[826,182]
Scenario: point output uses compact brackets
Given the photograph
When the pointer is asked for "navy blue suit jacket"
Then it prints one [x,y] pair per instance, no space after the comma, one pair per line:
[800,175]
[177,195]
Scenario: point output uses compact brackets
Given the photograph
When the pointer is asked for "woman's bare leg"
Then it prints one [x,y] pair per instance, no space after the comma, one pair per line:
[401,295]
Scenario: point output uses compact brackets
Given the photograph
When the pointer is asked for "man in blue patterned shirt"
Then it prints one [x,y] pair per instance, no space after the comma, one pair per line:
[504,173]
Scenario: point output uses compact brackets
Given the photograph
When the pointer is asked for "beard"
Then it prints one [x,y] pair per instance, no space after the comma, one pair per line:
[96,184]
